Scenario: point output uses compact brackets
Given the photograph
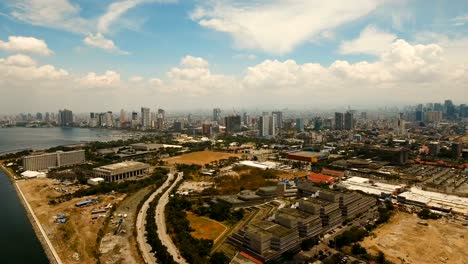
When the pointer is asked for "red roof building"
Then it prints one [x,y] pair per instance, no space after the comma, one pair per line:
[320,178]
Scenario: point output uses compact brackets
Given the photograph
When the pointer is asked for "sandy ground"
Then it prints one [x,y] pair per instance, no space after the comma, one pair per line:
[292,175]
[205,228]
[74,241]
[122,248]
[200,157]
[194,186]
[403,240]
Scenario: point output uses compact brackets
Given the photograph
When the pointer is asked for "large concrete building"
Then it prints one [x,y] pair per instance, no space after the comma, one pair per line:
[65,117]
[122,171]
[233,124]
[53,160]
[145,118]
[266,240]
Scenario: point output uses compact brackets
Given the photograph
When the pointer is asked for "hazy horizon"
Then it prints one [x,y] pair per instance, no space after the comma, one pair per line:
[108,55]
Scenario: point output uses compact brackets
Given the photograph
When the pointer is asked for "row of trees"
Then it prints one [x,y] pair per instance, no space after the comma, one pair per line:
[152,238]
[194,250]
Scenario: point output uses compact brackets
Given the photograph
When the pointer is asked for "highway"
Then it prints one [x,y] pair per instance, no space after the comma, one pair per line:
[145,249]
[161,224]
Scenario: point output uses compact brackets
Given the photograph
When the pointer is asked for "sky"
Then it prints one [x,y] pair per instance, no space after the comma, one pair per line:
[89,55]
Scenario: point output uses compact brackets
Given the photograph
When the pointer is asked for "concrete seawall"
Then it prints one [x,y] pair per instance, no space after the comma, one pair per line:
[37,227]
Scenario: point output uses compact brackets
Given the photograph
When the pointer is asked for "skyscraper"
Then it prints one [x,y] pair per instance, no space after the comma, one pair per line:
[145,118]
[300,125]
[216,114]
[279,119]
[267,126]
[339,121]
[65,117]
[348,121]
[233,124]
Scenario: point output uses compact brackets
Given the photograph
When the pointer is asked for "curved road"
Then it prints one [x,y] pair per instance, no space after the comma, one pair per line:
[145,249]
[161,223]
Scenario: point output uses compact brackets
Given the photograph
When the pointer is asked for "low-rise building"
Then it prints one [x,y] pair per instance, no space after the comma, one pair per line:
[122,171]
[53,160]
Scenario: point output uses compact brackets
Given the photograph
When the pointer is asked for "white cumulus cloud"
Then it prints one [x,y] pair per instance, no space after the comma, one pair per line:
[99,41]
[108,79]
[25,44]
[371,40]
[278,26]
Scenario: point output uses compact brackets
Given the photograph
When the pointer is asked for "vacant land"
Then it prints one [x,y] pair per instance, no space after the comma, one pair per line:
[289,175]
[245,179]
[200,157]
[205,228]
[403,240]
[122,248]
[74,241]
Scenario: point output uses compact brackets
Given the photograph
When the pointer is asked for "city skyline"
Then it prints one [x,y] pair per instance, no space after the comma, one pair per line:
[204,54]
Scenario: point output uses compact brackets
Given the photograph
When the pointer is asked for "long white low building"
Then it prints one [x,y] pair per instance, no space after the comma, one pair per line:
[434,200]
[122,171]
[370,187]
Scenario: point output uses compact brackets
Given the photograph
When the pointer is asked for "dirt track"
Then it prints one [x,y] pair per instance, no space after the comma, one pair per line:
[403,240]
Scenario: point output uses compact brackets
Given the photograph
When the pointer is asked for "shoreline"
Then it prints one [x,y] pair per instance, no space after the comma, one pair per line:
[47,246]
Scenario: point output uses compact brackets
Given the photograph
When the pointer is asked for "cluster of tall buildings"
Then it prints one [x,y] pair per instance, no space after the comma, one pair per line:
[436,112]
[145,120]
[344,121]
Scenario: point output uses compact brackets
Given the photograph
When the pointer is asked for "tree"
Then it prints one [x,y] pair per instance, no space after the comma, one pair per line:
[219,258]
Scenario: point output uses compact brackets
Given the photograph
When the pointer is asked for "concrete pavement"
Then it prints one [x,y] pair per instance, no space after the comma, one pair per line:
[145,249]
[161,224]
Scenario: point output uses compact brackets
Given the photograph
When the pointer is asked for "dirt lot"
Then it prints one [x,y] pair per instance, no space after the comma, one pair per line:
[122,248]
[403,240]
[200,157]
[204,227]
[74,241]
[293,174]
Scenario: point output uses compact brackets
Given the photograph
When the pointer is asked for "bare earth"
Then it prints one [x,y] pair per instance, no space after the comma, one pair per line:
[74,241]
[205,228]
[122,248]
[200,157]
[403,240]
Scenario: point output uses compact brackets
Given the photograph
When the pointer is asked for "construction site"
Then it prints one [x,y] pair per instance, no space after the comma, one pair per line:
[405,237]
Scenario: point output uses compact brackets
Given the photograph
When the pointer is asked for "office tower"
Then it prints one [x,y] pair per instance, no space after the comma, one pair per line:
[134,116]
[233,124]
[449,109]
[419,115]
[339,121]
[264,126]
[39,116]
[145,118]
[279,119]
[438,107]
[246,119]
[101,119]
[207,129]
[123,116]
[93,119]
[318,123]
[47,117]
[108,119]
[267,126]
[189,118]
[65,117]
[433,116]
[364,115]
[299,124]
[178,126]
[348,121]
[161,113]
[216,114]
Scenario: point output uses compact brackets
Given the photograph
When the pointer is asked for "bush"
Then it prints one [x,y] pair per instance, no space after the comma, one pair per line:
[427,214]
